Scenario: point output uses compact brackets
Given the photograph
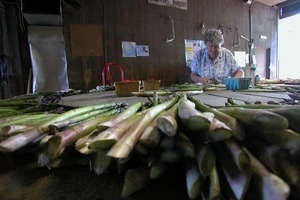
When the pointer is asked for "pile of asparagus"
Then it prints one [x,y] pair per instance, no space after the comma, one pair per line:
[233,152]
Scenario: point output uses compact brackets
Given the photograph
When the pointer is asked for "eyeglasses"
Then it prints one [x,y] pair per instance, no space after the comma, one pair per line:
[211,46]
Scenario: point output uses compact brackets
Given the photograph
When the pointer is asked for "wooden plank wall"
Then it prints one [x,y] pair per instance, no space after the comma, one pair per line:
[149,24]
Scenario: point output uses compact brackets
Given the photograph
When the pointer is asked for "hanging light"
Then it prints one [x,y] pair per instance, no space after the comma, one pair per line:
[248,1]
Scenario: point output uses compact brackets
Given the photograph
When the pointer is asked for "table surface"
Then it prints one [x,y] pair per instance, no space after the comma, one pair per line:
[216,98]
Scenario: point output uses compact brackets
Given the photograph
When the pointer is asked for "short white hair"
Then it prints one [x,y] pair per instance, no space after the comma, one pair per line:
[214,36]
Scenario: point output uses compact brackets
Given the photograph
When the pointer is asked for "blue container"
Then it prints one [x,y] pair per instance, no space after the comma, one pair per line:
[237,83]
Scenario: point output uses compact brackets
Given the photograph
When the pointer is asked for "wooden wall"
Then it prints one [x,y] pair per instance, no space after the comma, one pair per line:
[149,24]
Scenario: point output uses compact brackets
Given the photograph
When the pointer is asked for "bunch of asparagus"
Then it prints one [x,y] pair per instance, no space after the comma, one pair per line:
[234,152]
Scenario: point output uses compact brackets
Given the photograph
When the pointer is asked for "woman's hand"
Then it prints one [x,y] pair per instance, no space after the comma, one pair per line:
[239,73]
[197,79]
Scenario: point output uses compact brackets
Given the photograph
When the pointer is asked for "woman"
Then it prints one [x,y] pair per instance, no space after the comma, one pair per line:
[214,63]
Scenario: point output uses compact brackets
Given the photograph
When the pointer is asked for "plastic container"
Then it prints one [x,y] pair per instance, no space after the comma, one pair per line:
[124,89]
[237,83]
[151,84]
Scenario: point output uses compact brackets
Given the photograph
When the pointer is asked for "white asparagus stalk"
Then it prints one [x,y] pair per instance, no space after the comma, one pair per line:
[214,187]
[157,169]
[240,157]
[194,180]
[57,144]
[218,130]
[151,136]
[135,179]
[14,129]
[287,138]
[185,146]
[100,162]
[206,160]
[167,121]
[110,131]
[192,119]
[81,145]
[110,136]
[237,180]
[170,156]
[141,149]
[167,143]
[273,187]
[236,127]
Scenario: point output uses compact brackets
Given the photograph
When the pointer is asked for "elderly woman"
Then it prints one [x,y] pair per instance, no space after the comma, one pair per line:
[214,63]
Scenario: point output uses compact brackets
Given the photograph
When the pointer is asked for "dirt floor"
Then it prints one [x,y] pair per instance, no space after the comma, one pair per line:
[22,179]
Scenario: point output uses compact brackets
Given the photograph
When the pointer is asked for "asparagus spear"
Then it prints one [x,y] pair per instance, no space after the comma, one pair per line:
[29,119]
[218,131]
[287,138]
[171,156]
[215,187]
[260,118]
[59,125]
[194,180]
[18,141]
[157,169]
[240,157]
[135,179]
[108,137]
[57,144]
[185,146]
[206,160]
[167,143]
[124,146]
[263,151]
[122,116]
[14,129]
[292,113]
[167,121]
[141,149]
[110,131]
[237,179]
[192,119]
[273,187]
[237,129]
[151,136]
[287,167]
[100,162]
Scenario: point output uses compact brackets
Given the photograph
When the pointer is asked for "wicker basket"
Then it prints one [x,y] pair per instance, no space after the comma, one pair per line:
[124,89]
[151,84]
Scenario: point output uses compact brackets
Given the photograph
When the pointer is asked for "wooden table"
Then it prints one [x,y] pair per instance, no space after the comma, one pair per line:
[215,98]
[25,180]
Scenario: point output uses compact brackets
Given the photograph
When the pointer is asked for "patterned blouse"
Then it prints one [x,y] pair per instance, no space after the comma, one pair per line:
[223,67]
